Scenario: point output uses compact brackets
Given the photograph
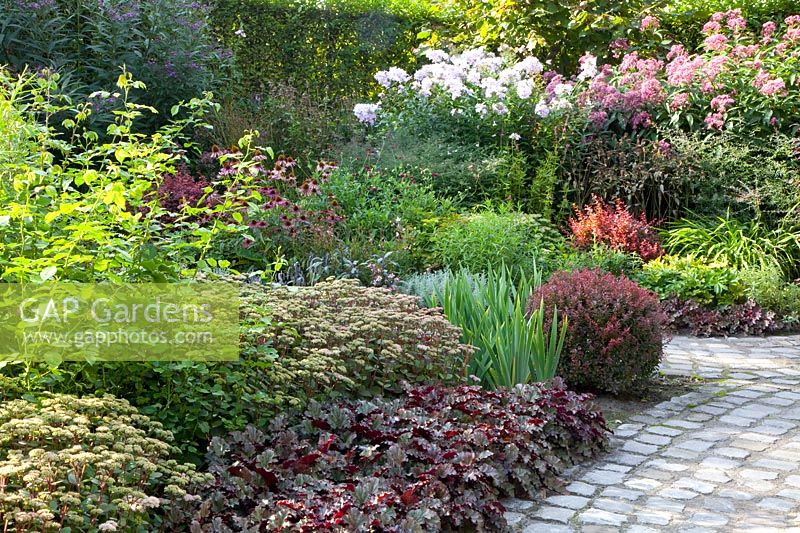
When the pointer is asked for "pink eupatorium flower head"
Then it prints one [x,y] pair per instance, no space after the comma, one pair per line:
[649,23]
[715,121]
[774,87]
[679,101]
[716,42]
[722,102]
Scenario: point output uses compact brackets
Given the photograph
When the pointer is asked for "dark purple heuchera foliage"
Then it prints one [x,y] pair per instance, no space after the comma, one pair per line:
[439,458]
[747,318]
[614,329]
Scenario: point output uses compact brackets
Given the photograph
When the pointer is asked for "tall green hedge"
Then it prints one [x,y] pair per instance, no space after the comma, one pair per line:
[329,48]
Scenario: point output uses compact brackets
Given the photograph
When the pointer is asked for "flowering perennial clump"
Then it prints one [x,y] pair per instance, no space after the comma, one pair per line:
[472,85]
[437,459]
[341,338]
[739,78]
[87,464]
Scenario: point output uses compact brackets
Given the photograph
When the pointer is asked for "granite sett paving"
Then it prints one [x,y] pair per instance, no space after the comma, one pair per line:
[724,457]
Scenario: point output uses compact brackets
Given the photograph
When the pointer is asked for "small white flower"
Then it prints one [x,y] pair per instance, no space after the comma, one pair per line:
[562,88]
[437,56]
[542,110]
[588,67]
[525,89]
[393,75]
[500,108]
[367,113]
[109,525]
[481,109]
[239,33]
[531,65]
[515,136]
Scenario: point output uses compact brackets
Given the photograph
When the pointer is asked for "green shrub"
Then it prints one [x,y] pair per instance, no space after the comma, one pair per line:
[330,49]
[82,209]
[382,207]
[746,175]
[467,173]
[597,257]
[688,278]
[512,348]
[290,120]
[769,289]
[614,329]
[739,244]
[166,44]
[559,31]
[487,239]
[86,464]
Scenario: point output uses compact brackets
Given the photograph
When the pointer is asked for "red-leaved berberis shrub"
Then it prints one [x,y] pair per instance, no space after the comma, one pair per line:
[439,458]
[614,329]
[615,226]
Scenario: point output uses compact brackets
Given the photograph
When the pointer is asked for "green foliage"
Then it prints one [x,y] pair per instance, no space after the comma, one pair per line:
[330,49]
[688,278]
[739,244]
[82,209]
[86,464]
[749,176]
[338,338]
[423,285]
[769,289]
[487,239]
[164,43]
[635,169]
[291,120]
[382,207]
[597,257]
[452,167]
[558,30]
[512,348]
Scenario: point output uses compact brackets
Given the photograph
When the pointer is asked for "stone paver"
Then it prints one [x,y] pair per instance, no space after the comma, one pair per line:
[725,457]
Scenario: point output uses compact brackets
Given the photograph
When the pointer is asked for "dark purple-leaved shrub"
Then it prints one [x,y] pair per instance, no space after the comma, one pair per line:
[747,318]
[181,190]
[439,458]
[614,330]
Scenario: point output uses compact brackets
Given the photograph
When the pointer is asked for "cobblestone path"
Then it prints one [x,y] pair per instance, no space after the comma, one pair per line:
[725,457]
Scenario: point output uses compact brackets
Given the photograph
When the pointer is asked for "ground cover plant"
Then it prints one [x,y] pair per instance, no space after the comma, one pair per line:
[87,464]
[439,458]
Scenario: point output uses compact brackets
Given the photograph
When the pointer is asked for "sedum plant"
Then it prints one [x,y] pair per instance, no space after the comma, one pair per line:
[86,464]
[512,347]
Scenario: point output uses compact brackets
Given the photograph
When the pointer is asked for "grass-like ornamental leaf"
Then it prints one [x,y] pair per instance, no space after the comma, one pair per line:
[740,244]
[512,347]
